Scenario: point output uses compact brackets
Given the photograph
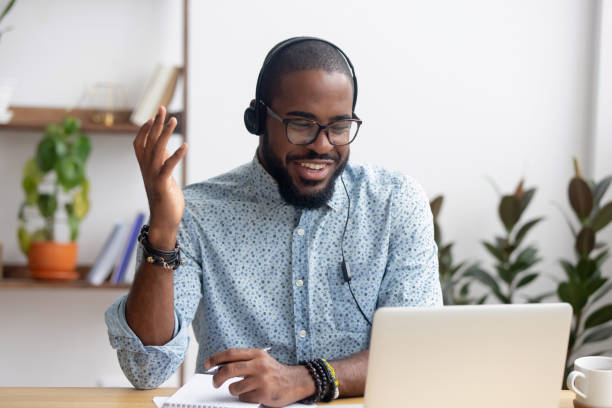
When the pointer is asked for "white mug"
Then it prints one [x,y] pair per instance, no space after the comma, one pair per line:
[591,380]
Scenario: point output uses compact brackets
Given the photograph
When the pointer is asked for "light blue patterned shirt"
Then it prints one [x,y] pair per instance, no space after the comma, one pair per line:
[261,273]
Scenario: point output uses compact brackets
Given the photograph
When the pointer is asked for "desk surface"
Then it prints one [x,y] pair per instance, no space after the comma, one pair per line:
[30,397]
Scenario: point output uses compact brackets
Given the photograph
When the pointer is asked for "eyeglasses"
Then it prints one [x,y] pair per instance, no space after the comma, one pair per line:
[305,131]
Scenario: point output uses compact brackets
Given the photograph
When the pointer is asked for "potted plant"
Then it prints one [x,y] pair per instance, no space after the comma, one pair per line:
[451,274]
[512,263]
[585,286]
[53,179]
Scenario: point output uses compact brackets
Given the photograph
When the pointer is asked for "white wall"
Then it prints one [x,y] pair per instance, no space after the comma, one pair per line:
[450,93]
[55,51]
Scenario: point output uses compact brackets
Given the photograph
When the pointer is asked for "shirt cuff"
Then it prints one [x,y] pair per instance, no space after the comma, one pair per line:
[118,328]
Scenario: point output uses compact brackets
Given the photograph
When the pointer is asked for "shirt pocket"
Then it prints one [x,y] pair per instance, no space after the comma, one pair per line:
[365,283]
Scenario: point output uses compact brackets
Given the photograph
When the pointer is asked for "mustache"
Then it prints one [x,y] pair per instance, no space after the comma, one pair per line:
[314,156]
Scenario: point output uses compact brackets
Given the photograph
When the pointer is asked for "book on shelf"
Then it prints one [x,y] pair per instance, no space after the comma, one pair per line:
[116,261]
[129,248]
[108,255]
[158,91]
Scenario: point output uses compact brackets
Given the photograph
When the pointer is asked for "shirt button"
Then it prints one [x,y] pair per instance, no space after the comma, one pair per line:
[300,232]
[299,282]
[302,333]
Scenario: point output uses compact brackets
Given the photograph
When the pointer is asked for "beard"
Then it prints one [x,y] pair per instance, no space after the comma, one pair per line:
[287,188]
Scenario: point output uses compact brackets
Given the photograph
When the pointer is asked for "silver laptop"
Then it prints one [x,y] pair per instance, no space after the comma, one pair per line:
[498,356]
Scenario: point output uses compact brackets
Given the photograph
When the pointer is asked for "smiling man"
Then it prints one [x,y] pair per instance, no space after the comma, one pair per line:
[280,263]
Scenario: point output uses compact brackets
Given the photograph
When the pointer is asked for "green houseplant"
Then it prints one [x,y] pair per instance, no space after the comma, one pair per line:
[584,284]
[455,288]
[54,178]
[512,263]
[3,14]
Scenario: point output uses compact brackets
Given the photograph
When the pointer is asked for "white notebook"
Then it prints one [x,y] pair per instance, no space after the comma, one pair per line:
[199,392]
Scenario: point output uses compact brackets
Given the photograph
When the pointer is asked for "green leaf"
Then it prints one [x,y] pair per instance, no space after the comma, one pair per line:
[599,334]
[600,189]
[71,125]
[602,292]
[594,284]
[31,169]
[574,294]
[603,217]
[436,205]
[526,198]
[24,240]
[601,258]
[496,252]
[509,211]
[45,154]
[73,225]
[526,280]
[7,9]
[81,147]
[81,208]
[566,217]
[540,298]
[600,316]
[482,300]
[504,273]
[47,204]
[586,268]
[39,235]
[585,241]
[30,186]
[487,280]
[70,172]
[569,269]
[580,197]
[520,235]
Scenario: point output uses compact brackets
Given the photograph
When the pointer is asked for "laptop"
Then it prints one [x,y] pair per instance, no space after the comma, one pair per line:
[488,356]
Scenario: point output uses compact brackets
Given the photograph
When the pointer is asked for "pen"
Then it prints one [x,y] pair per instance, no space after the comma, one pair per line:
[215,369]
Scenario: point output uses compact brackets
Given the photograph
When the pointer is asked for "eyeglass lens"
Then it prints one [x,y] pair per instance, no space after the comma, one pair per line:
[305,132]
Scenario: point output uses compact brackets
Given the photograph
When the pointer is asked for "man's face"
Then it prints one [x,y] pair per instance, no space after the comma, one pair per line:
[306,173]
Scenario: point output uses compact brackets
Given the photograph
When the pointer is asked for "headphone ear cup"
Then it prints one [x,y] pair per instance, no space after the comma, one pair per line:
[250,121]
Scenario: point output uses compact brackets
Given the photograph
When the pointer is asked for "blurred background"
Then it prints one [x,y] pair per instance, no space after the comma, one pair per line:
[467,97]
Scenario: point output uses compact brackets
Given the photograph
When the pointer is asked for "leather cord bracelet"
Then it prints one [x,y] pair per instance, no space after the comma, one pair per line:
[166,259]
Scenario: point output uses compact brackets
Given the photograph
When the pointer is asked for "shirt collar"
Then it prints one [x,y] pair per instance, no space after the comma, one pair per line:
[266,188]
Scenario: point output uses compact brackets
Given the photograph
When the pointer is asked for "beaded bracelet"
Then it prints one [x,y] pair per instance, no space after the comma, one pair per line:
[166,259]
[334,379]
[316,397]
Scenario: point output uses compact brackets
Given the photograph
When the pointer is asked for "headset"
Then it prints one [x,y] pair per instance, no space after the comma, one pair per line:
[255,120]
[255,114]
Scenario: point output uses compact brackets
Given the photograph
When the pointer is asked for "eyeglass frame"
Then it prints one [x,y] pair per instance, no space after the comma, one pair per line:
[285,121]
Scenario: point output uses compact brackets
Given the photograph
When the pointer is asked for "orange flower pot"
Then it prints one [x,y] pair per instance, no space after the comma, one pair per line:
[53,260]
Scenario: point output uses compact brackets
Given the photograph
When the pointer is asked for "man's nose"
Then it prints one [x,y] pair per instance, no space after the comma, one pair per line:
[321,143]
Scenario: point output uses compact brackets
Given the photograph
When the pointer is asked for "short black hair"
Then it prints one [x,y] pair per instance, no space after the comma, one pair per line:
[301,56]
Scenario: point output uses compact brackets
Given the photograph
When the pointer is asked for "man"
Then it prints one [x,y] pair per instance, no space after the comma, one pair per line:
[292,252]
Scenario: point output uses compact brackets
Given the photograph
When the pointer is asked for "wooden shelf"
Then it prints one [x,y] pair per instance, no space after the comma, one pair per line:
[37,118]
[18,276]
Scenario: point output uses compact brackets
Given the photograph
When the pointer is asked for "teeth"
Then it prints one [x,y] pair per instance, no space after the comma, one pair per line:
[312,166]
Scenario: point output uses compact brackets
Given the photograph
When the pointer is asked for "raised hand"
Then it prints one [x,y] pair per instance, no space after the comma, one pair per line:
[166,201]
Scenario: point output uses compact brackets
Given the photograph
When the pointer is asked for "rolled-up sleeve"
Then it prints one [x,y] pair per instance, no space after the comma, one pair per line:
[411,276]
[149,366]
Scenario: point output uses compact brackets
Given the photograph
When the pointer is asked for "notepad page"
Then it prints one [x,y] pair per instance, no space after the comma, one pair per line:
[199,392]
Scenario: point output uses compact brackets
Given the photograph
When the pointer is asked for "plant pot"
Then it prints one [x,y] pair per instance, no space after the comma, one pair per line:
[53,260]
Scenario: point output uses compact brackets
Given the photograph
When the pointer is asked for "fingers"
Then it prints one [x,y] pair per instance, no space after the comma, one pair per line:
[233,370]
[171,162]
[232,355]
[160,145]
[141,139]
[243,386]
[158,125]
